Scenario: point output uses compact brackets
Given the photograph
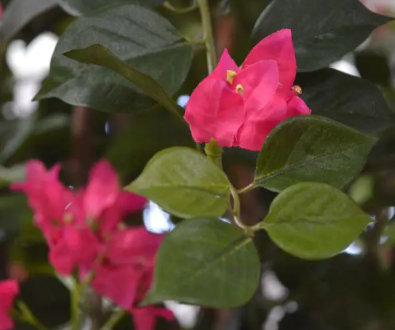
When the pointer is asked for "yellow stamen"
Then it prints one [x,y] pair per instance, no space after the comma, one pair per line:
[297,89]
[68,218]
[230,76]
[240,89]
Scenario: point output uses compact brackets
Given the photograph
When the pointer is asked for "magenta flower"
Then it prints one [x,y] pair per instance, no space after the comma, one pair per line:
[9,289]
[77,224]
[239,107]
[126,274]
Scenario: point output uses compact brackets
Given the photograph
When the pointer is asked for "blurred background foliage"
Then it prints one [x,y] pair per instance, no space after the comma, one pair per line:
[354,290]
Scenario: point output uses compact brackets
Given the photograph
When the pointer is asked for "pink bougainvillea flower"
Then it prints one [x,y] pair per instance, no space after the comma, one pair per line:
[239,107]
[77,224]
[8,291]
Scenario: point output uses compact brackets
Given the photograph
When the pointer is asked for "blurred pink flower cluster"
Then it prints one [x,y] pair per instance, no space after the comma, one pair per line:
[8,291]
[85,233]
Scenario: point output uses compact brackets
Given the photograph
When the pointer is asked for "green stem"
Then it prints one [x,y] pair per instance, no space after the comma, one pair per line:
[26,315]
[236,212]
[169,6]
[247,189]
[208,34]
[76,299]
[75,305]
[115,318]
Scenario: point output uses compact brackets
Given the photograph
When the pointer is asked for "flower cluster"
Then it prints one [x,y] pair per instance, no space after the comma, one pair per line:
[85,233]
[8,291]
[240,106]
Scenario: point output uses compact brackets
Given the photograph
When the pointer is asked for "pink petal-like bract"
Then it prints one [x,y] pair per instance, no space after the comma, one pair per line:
[102,189]
[133,246]
[145,318]
[258,124]
[9,289]
[296,107]
[214,111]
[279,48]
[120,284]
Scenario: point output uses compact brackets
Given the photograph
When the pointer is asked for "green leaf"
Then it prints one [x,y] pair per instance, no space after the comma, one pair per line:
[101,56]
[148,133]
[352,101]
[389,234]
[323,31]
[136,35]
[205,262]
[12,174]
[184,183]
[313,220]
[20,12]
[82,7]
[311,148]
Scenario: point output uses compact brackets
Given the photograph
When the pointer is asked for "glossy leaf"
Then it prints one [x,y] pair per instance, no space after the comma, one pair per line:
[313,220]
[140,37]
[101,56]
[82,7]
[20,12]
[185,183]
[311,148]
[205,262]
[323,31]
[350,100]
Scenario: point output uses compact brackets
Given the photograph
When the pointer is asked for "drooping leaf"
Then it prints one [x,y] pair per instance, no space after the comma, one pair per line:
[313,220]
[20,12]
[148,133]
[135,34]
[350,100]
[101,56]
[311,148]
[205,262]
[185,183]
[82,7]
[323,31]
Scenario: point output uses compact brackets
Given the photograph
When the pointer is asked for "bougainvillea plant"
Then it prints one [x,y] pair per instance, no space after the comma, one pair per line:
[313,138]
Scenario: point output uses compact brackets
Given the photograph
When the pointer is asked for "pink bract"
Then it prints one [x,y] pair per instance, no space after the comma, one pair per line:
[239,107]
[9,289]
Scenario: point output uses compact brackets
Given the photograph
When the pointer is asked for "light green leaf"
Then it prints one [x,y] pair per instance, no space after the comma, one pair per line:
[205,262]
[311,148]
[313,220]
[184,183]
[136,35]
[323,31]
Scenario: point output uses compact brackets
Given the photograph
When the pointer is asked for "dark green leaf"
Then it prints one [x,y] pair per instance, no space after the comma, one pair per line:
[205,262]
[82,7]
[352,101]
[101,56]
[185,183]
[20,12]
[313,220]
[323,31]
[311,148]
[148,133]
[135,34]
